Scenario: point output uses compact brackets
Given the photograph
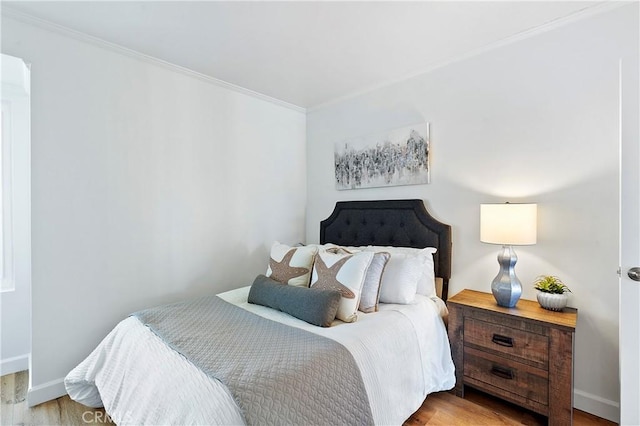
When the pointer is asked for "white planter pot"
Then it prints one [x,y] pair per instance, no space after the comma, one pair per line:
[552,301]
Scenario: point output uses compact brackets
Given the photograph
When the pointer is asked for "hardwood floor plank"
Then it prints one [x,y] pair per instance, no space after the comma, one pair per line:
[585,419]
[6,414]
[515,412]
[7,399]
[22,386]
[7,389]
[73,413]
[47,413]
[480,409]
[444,408]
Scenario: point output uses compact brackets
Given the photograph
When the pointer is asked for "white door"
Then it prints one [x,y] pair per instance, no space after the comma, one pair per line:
[15,216]
[629,243]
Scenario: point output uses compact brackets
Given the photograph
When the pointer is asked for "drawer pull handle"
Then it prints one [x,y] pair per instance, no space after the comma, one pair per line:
[502,372]
[502,340]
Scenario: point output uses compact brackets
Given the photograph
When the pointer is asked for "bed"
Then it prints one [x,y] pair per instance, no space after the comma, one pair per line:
[376,370]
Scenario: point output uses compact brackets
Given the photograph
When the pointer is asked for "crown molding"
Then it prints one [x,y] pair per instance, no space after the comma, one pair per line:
[587,12]
[83,37]
[551,25]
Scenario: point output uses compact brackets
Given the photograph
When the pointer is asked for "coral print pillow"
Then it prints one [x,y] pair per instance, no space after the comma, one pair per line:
[345,273]
[291,265]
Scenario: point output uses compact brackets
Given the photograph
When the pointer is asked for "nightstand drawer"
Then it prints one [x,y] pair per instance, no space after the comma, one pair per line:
[518,343]
[520,379]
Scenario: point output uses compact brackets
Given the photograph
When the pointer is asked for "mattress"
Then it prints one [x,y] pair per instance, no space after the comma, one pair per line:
[402,352]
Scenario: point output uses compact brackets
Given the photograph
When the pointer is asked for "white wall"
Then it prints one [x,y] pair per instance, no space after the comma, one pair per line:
[534,121]
[148,186]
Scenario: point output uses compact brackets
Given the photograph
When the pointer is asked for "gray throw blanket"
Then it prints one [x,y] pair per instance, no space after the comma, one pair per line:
[277,374]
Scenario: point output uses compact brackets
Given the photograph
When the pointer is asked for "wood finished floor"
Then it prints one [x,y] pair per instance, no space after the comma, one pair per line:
[61,411]
[480,409]
[442,409]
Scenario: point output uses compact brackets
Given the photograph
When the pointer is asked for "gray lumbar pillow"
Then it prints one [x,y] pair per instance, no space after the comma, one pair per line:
[371,287]
[314,306]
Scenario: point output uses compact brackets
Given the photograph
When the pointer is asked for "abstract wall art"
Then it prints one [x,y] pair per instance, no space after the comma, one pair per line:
[396,157]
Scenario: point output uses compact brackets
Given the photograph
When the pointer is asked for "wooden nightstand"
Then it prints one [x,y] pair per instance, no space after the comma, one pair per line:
[523,354]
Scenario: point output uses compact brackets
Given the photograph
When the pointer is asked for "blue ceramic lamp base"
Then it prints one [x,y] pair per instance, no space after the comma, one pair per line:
[506,287]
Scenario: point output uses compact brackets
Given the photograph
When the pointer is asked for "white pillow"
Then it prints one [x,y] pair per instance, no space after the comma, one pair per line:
[426,284]
[400,279]
[408,270]
[291,265]
[345,273]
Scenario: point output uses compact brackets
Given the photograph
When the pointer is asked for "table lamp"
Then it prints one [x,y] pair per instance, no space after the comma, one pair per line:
[508,224]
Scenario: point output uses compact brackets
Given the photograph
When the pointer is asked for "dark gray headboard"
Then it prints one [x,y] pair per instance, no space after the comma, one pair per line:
[398,223]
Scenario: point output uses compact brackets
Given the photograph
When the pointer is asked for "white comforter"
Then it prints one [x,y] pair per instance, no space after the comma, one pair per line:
[402,351]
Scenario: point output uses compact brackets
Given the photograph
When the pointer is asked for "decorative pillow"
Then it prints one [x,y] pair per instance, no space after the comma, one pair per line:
[345,273]
[291,265]
[371,286]
[426,283]
[315,306]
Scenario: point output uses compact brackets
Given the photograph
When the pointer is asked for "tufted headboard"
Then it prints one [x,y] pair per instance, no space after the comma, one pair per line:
[398,223]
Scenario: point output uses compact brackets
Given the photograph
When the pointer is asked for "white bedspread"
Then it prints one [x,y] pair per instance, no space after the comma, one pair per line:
[139,380]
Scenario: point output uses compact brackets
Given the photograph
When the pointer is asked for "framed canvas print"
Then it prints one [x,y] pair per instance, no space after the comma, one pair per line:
[396,157]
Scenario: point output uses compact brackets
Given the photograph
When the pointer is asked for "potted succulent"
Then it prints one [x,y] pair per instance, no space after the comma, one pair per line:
[552,292]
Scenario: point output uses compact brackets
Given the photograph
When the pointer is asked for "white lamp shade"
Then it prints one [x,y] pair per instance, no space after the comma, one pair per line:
[508,224]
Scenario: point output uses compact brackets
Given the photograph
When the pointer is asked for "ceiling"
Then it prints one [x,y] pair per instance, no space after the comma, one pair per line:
[303,53]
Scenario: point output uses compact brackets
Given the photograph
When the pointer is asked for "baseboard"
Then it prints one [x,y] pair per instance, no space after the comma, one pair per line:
[14,364]
[596,405]
[46,392]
